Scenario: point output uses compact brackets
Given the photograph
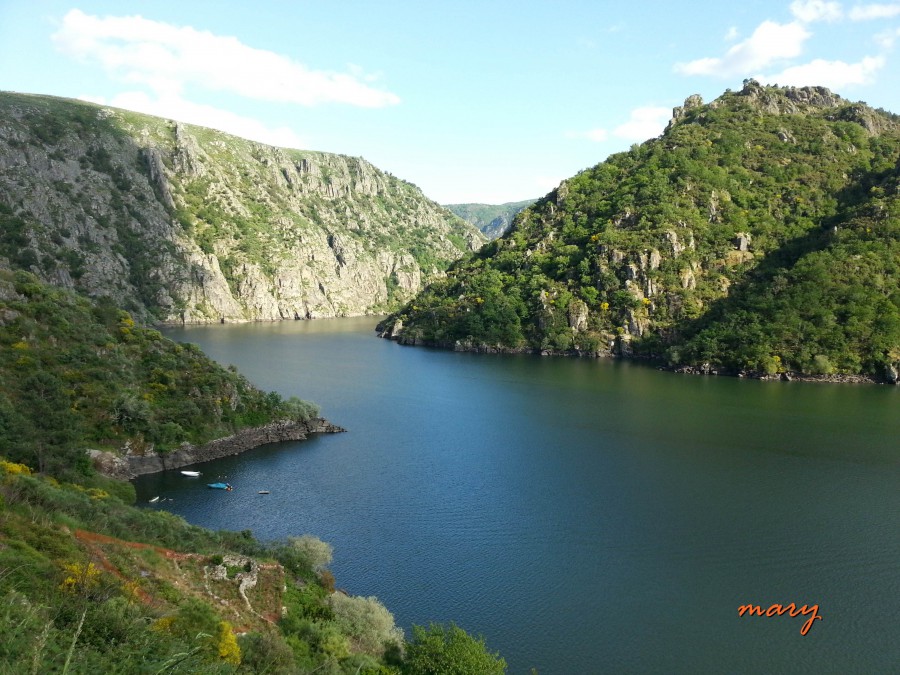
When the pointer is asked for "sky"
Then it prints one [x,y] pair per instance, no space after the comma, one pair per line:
[487,101]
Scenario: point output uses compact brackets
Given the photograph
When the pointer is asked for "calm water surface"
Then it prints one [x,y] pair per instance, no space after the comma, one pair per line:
[584,516]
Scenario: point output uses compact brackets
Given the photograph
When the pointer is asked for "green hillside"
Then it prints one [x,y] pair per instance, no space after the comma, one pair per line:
[78,374]
[758,234]
[91,584]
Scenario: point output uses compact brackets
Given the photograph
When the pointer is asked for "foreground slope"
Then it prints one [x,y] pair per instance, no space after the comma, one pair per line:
[182,223]
[759,233]
[91,584]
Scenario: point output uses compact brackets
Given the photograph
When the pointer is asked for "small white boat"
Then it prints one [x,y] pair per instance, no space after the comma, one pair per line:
[154,500]
[263,492]
[190,473]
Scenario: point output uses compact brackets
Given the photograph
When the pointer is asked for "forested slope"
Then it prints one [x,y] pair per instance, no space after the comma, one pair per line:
[758,234]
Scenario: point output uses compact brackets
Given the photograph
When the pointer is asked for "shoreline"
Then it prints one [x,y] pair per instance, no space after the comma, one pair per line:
[133,464]
[787,376]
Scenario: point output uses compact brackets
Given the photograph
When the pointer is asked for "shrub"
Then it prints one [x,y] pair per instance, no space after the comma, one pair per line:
[369,624]
[300,410]
[227,645]
[313,552]
[449,651]
[822,365]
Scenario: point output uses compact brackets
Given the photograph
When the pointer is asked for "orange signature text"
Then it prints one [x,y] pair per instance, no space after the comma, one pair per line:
[779,610]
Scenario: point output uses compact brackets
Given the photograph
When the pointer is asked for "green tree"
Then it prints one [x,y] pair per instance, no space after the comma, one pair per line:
[441,650]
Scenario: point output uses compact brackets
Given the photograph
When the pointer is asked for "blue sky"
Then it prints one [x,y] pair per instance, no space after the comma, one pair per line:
[471,101]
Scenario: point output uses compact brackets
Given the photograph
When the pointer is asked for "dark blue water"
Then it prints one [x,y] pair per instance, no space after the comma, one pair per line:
[584,516]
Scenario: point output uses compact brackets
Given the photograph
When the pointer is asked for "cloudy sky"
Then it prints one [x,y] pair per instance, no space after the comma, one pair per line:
[486,101]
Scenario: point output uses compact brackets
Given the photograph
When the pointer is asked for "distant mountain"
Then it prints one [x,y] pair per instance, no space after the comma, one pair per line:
[494,220]
[182,223]
[759,234]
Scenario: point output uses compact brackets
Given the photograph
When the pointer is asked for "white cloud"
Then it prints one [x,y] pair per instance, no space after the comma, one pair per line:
[809,11]
[732,34]
[770,42]
[886,39]
[174,107]
[168,59]
[876,11]
[831,74]
[644,123]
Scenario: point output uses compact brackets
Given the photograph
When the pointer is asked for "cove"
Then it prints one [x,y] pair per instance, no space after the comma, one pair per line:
[585,516]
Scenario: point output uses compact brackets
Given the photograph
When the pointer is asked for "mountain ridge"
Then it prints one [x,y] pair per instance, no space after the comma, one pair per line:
[186,224]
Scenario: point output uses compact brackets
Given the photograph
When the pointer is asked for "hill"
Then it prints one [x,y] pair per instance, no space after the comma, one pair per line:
[77,374]
[493,220]
[758,234]
[179,223]
[91,584]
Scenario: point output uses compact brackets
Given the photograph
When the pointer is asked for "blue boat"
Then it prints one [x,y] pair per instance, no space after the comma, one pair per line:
[220,486]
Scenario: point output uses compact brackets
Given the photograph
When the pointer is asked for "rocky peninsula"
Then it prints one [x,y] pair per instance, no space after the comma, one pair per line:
[137,461]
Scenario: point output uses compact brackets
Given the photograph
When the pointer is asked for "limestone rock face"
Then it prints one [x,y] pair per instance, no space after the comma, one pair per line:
[183,224]
[578,316]
[678,112]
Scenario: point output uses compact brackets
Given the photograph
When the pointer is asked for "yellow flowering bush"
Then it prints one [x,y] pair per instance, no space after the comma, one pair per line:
[80,577]
[163,624]
[229,651]
[13,469]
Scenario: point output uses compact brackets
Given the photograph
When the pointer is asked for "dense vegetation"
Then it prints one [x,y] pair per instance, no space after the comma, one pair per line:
[759,233]
[79,374]
[91,584]
[494,220]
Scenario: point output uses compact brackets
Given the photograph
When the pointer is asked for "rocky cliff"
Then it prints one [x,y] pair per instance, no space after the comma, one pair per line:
[184,224]
[136,462]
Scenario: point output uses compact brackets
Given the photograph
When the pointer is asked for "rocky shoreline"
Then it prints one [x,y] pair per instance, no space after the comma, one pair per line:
[891,377]
[136,462]
[787,376]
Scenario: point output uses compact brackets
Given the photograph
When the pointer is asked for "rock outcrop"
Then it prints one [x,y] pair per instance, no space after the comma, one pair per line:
[183,224]
[138,462]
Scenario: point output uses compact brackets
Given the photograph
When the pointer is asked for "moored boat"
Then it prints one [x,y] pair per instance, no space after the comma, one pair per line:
[190,473]
[220,486]
[154,500]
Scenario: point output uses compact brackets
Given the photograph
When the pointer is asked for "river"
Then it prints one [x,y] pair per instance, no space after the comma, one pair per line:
[584,516]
